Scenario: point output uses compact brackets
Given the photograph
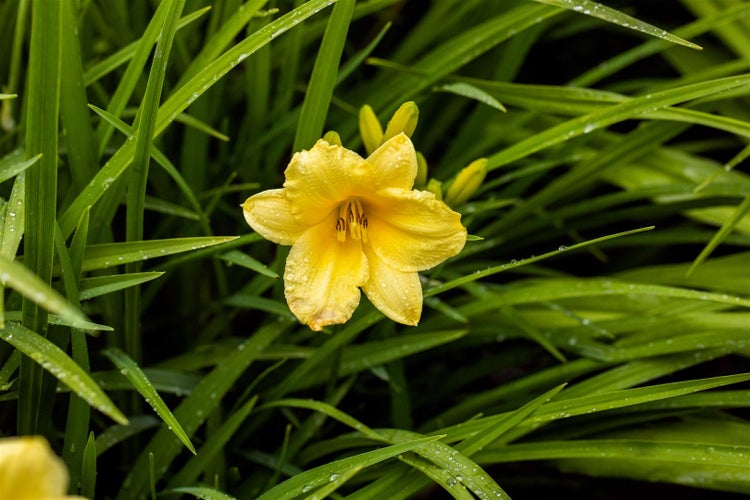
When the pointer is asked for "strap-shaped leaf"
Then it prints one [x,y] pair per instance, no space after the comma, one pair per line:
[55,361]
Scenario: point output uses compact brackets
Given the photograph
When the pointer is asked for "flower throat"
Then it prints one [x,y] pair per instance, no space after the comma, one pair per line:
[351,219]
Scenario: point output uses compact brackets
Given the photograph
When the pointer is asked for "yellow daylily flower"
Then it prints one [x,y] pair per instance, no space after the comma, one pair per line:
[30,470]
[355,223]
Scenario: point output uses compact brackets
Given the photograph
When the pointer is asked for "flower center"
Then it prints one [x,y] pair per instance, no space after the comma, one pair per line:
[351,219]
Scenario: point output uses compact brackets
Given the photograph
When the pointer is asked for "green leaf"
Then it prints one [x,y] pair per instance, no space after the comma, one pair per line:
[614,16]
[362,357]
[632,108]
[244,260]
[14,220]
[28,284]
[126,53]
[88,468]
[472,92]
[55,361]
[722,233]
[116,434]
[14,163]
[194,410]
[102,285]
[319,476]
[42,105]
[202,492]
[603,449]
[320,89]
[135,375]
[214,445]
[112,254]
[336,481]
[511,265]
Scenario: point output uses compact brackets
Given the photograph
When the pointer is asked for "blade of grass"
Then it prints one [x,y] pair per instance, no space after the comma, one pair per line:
[88,468]
[613,114]
[471,92]
[674,452]
[194,410]
[133,73]
[17,56]
[112,254]
[319,476]
[411,483]
[102,285]
[78,438]
[125,54]
[140,382]
[202,492]
[320,89]
[614,16]
[14,163]
[144,133]
[504,267]
[721,234]
[162,160]
[56,362]
[650,47]
[40,199]
[116,434]
[336,481]
[213,446]
[79,134]
[15,218]
[31,287]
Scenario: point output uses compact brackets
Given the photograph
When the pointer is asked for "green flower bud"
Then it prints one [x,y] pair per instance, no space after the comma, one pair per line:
[466,183]
[435,187]
[370,129]
[7,122]
[332,137]
[421,179]
[404,120]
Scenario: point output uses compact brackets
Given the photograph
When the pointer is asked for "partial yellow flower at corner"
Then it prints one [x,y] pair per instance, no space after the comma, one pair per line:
[355,223]
[30,470]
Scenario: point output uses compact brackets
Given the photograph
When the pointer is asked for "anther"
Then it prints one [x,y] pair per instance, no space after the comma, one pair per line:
[352,220]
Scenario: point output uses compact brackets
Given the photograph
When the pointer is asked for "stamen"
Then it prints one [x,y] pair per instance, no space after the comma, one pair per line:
[351,219]
[341,230]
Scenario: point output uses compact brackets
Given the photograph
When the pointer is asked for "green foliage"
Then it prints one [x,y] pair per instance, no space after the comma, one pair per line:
[595,333]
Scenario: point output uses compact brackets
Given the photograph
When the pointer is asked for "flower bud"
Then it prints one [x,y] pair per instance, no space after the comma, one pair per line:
[466,183]
[370,129]
[435,187]
[332,137]
[421,179]
[7,122]
[404,120]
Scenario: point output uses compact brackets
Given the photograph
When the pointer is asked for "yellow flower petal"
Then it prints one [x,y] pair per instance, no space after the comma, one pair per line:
[322,276]
[269,213]
[319,179]
[394,164]
[413,230]
[396,294]
[30,470]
